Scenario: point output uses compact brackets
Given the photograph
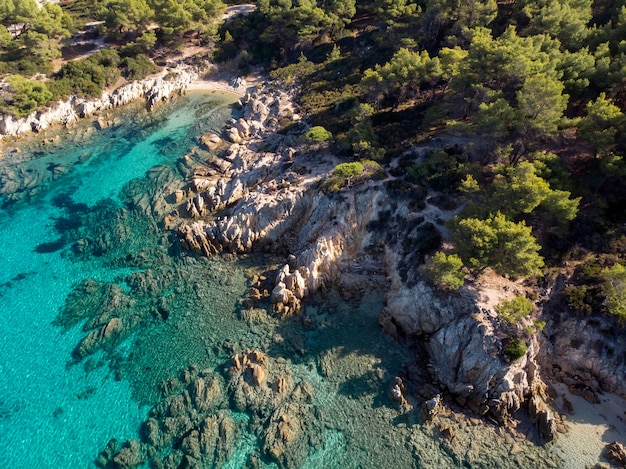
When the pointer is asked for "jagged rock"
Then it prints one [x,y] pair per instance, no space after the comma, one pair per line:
[95,340]
[232,135]
[206,395]
[210,141]
[151,432]
[543,418]
[432,407]
[290,432]
[179,196]
[130,456]
[242,127]
[616,452]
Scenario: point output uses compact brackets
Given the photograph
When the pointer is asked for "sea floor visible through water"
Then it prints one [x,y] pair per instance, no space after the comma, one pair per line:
[83,248]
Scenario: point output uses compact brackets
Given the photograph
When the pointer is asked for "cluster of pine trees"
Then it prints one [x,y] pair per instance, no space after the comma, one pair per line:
[536,88]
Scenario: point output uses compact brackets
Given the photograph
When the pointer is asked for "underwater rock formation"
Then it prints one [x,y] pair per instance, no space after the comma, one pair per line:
[192,426]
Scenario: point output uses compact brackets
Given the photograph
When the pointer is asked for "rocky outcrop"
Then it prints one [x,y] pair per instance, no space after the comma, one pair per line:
[188,427]
[153,90]
[616,453]
[585,353]
[246,199]
[262,193]
[268,389]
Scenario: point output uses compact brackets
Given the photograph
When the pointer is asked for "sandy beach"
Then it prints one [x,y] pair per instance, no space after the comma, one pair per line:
[591,428]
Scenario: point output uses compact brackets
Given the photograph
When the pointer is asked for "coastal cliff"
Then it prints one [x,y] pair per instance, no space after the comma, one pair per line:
[262,192]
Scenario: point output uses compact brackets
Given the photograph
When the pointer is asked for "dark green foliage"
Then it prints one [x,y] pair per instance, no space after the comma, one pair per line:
[578,297]
[515,348]
[515,309]
[445,271]
[89,76]
[603,122]
[614,290]
[497,242]
[28,95]
[138,67]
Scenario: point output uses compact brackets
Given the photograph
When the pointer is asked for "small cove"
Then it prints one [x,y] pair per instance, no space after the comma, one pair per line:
[78,232]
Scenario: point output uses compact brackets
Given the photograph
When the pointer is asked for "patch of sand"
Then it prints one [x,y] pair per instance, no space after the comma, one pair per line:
[591,428]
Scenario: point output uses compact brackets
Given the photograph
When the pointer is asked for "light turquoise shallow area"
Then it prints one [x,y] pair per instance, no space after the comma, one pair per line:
[53,415]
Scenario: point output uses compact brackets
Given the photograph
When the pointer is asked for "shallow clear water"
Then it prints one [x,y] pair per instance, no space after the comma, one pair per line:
[52,414]
[82,243]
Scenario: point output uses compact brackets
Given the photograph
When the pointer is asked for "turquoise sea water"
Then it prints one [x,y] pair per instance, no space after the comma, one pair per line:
[82,241]
[53,415]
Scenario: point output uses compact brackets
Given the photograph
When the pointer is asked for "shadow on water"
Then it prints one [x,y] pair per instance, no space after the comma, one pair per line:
[50,247]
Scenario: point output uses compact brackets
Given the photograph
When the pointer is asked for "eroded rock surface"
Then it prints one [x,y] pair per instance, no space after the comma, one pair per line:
[153,90]
[263,193]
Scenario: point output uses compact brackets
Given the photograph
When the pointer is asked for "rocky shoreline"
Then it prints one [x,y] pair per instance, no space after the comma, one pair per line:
[153,90]
[262,193]
[260,189]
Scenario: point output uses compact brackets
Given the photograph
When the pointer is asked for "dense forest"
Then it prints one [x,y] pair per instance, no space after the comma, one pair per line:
[532,93]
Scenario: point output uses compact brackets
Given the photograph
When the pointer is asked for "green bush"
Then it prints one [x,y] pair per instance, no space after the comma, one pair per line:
[89,76]
[138,67]
[318,134]
[515,348]
[342,175]
[614,289]
[445,271]
[577,297]
[28,95]
[348,170]
[372,169]
[515,309]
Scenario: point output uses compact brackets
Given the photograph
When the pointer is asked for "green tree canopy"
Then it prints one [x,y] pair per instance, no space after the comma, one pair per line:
[445,271]
[126,15]
[497,242]
[602,123]
[518,190]
[541,103]
[566,20]
[291,22]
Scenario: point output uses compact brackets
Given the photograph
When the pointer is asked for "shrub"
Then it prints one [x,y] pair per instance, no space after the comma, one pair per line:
[515,348]
[515,309]
[614,289]
[348,170]
[342,175]
[577,297]
[372,169]
[28,95]
[318,134]
[138,67]
[445,271]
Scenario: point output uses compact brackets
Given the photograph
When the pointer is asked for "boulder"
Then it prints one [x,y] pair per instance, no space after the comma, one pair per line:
[232,135]
[130,456]
[210,141]
[616,452]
